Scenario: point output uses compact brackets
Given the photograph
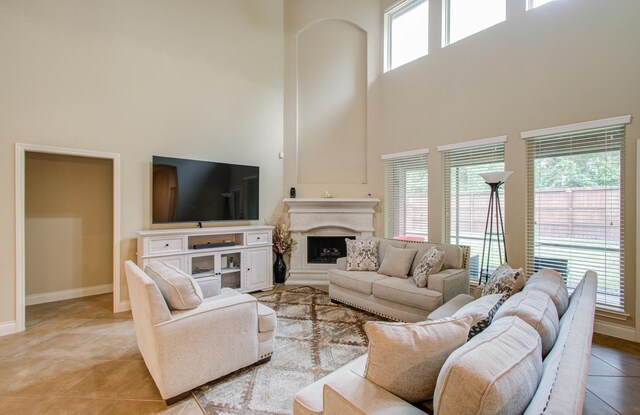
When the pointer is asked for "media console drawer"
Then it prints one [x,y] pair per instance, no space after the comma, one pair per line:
[162,245]
[255,238]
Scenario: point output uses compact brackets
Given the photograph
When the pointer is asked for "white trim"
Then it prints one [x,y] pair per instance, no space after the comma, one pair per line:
[42,298]
[20,153]
[637,322]
[8,327]
[405,154]
[569,128]
[614,330]
[475,143]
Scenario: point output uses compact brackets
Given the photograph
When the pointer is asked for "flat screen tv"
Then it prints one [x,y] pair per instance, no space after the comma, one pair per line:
[198,191]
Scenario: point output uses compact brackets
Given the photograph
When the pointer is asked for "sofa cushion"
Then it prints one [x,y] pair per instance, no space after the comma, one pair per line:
[481,311]
[450,307]
[537,309]
[362,254]
[504,280]
[497,372]
[404,291]
[430,263]
[552,283]
[360,281]
[266,318]
[397,261]
[179,289]
[405,358]
[384,243]
[453,254]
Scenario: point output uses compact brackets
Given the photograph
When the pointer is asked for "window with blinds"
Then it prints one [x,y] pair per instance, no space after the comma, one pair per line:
[575,219]
[406,195]
[467,198]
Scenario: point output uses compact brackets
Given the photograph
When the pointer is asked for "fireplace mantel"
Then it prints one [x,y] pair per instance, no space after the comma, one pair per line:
[325,217]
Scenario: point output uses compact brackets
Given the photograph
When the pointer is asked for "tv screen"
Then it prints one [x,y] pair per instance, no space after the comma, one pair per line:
[197,191]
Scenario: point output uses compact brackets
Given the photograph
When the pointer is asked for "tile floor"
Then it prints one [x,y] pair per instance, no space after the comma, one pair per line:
[76,357]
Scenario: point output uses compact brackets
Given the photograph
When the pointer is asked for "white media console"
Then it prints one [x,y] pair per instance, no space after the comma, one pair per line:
[237,257]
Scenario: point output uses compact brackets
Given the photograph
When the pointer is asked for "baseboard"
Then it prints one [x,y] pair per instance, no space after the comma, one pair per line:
[68,294]
[615,330]
[8,327]
[124,305]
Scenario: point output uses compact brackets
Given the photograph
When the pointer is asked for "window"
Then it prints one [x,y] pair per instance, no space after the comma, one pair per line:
[575,219]
[466,17]
[406,195]
[407,31]
[532,4]
[466,196]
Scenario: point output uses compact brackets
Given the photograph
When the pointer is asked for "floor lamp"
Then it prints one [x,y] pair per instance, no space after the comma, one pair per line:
[494,224]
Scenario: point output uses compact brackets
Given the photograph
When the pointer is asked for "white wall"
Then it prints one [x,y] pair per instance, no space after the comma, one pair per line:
[565,62]
[198,79]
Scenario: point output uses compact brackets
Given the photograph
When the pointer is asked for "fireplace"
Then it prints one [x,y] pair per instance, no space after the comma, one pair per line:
[326,249]
[320,226]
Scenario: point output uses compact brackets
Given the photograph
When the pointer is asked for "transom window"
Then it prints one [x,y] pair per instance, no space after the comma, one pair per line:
[406,195]
[466,17]
[532,4]
[407,33]
[575,216]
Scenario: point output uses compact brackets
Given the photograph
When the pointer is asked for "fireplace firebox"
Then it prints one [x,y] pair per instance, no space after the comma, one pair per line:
[326,249]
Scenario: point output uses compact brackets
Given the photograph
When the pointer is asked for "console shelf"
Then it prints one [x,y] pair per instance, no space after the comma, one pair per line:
[241,253]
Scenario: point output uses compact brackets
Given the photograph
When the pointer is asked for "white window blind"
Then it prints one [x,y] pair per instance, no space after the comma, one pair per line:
[575,219]
[467,198]
[406,196]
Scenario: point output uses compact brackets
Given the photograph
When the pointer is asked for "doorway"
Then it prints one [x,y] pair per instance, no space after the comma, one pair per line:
[72,233]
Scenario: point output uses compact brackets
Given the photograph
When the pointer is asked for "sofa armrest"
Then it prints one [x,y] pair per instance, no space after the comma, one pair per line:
[450,283]
[353,394]
[341,263]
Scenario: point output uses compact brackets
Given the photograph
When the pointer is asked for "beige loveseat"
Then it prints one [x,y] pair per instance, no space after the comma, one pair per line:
[399,298]
[560,387]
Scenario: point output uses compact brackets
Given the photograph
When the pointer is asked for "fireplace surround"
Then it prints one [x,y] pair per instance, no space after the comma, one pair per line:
[325,221]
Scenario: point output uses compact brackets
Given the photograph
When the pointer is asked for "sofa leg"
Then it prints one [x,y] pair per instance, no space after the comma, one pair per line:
[265,360]
[177,398]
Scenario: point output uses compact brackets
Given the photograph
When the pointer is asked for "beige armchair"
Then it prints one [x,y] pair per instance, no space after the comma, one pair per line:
[185,349]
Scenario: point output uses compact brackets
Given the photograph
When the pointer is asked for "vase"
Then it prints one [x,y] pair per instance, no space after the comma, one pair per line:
[279,269]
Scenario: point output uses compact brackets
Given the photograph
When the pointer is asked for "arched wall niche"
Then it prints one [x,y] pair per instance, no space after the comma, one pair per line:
[331,103]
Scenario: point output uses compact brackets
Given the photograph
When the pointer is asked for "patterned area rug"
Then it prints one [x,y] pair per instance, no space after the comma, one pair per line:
[313,338]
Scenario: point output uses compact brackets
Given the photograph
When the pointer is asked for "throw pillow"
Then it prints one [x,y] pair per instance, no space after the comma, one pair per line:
[362,254]
[405,358]
[179,289]
[552,283]
[537,309]
[397,261]
[481,311]
[504,280]
[430,263]
[497,372]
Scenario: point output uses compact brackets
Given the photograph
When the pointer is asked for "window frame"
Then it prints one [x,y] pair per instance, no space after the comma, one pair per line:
[398,8]
[578,132]
[398,163]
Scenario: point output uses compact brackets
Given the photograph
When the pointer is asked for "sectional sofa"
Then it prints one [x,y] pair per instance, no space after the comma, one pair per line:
[399,298]
[485,382]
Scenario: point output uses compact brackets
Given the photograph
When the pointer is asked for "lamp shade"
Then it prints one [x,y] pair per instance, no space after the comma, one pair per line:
[495,177]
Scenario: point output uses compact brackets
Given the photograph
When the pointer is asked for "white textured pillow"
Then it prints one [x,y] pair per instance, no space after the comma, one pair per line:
[397,261]
[179,289]
[504,280]
[497,372]
[362,254]
[537,309]
[405,358]
[482,311]
[551,282]
[430,263]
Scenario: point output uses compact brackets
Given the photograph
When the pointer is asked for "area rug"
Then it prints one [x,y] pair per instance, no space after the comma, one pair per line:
[313,338]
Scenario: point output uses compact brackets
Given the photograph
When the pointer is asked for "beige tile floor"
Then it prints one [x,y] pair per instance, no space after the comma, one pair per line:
[76,357]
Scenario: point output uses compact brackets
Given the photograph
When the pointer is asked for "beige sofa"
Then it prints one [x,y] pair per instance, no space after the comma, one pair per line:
[399,298]
[560,390]
[184,349]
